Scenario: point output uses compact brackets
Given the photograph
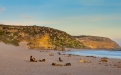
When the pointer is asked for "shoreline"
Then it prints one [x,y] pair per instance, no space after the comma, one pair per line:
[93,49]
[96,53]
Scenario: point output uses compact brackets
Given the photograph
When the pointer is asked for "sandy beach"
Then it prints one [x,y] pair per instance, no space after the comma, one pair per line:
[16,61]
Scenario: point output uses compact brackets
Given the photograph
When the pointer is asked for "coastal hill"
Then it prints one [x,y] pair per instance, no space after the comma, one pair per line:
[96,42]
[38,37]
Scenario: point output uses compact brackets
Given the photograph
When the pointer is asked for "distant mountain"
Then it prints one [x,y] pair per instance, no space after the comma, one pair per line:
[38,37]
[96,42]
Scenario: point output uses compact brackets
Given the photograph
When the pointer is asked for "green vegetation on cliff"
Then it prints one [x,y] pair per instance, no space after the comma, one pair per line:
[38,37]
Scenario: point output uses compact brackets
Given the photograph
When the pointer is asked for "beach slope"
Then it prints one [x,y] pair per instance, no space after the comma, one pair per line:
[14,60]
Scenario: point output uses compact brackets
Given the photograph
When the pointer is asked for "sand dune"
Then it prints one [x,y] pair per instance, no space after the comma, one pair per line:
[15,61]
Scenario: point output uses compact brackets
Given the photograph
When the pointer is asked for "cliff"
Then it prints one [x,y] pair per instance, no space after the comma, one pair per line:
[96,42]
[38,37]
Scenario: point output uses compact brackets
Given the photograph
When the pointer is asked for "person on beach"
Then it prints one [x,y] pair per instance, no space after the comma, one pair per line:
[60,59]
[32,59]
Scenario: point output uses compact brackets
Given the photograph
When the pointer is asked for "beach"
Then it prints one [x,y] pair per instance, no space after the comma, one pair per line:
[16,61]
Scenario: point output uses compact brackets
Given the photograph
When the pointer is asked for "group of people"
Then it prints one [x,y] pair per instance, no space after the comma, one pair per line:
[34,60]
[54,64]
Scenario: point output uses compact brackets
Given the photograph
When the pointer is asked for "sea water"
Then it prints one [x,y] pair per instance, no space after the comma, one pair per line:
[97,53]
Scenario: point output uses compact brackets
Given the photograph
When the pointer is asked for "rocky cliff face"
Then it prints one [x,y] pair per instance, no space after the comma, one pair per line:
[96,42]
[38,37]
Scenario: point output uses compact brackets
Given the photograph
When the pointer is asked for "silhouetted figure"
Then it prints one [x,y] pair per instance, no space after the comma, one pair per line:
[67,64]
[43,60]
[55,64]
[32,59]
[60,59]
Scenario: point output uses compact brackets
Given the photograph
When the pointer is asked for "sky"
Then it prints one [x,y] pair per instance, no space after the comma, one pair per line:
[76,17]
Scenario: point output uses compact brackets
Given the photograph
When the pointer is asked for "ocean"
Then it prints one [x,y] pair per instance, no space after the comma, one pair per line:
[97,53]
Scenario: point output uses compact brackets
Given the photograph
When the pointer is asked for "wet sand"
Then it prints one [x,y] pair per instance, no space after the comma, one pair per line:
[15,61]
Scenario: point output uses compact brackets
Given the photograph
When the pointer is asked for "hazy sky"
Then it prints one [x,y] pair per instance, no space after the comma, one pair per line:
[76,17]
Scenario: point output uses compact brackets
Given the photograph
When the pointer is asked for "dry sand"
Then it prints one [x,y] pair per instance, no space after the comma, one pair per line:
[15,61]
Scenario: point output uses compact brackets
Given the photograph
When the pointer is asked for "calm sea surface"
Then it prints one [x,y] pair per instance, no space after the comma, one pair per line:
[97,53]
